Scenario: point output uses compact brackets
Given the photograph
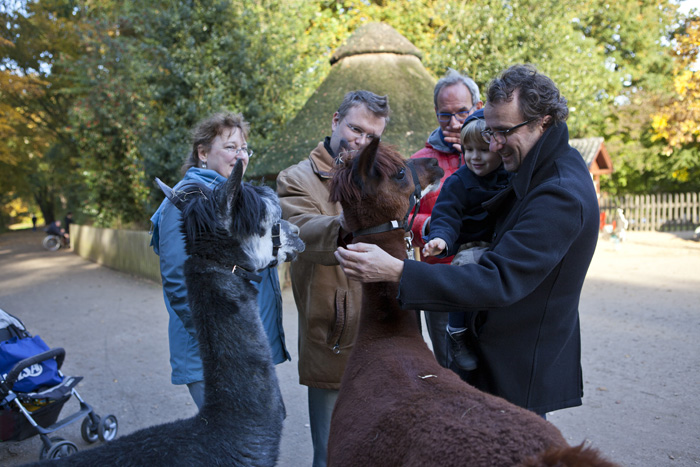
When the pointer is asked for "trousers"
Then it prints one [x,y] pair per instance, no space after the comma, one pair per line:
[321,403]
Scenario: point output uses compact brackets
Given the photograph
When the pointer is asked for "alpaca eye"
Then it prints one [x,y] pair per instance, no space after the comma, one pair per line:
[401,174]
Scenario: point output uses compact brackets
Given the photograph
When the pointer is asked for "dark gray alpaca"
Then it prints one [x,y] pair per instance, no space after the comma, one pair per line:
[231,232]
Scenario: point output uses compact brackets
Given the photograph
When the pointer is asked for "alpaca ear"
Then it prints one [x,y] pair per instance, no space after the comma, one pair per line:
[174,198]
[363,170]
[233,184]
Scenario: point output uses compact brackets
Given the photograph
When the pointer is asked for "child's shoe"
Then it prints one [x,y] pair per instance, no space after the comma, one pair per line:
[462,355]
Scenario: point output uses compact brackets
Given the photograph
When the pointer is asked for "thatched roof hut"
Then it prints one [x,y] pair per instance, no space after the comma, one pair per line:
[376,58]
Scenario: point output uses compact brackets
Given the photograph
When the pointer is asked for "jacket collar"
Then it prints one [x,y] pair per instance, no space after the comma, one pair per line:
[322,160]
[552,145]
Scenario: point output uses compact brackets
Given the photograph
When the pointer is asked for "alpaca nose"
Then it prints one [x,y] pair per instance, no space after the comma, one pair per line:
[290,228]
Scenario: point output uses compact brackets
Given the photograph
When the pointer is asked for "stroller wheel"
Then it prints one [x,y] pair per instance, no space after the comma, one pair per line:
[51,242]
[62,449]
[89,430]
[43,454]
[107,428]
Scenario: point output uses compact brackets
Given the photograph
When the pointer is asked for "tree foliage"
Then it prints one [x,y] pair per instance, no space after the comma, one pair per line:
[98,96]
[148,79]
[38,153]
[656,139]
[677,124]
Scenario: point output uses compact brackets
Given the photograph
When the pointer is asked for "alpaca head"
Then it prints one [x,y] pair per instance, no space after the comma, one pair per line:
[235,223]
[376,185]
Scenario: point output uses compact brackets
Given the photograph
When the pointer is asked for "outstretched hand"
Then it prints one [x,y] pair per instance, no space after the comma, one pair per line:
[365,262]
[434,247]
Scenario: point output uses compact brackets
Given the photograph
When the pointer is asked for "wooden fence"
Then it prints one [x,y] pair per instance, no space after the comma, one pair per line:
[665,212]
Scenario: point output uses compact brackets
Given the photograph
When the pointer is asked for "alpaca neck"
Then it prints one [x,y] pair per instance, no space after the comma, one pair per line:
[381,314]
[233,344]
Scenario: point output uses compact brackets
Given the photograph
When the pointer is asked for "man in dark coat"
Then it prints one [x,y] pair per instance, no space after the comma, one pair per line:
[530,280]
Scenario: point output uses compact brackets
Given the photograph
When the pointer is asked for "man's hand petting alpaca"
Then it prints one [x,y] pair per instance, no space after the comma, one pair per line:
[364,262]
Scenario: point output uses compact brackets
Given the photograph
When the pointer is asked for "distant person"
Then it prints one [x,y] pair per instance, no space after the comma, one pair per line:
[328,304]
[455,97]
[526,288]
[34,222]
[67,221]
[218,142]
[54,228]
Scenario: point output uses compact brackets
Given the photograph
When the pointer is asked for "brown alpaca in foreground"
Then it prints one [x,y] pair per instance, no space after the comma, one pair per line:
[397,406]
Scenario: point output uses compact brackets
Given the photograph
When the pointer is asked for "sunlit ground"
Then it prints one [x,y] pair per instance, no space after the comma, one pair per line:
[26,225]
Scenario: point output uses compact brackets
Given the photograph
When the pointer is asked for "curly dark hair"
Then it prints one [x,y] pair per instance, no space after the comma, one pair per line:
[538,96]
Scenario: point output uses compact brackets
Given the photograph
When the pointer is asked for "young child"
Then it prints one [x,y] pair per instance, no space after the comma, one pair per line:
[459,219]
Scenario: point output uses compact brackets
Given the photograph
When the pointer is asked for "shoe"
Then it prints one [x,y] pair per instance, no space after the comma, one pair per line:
[461,354]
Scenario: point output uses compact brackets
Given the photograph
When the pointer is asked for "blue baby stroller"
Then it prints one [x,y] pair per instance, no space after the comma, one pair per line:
[33,391]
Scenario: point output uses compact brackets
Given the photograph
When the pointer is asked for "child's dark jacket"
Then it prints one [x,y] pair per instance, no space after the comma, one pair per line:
[458,216]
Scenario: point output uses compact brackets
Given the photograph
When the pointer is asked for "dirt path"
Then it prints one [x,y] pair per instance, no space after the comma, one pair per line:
[640,314]
[640,321]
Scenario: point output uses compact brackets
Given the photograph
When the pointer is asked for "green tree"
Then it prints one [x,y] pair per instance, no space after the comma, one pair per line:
[107,117]
[38,151]
[675,124]
[499,34]
[101,101]
[153,71]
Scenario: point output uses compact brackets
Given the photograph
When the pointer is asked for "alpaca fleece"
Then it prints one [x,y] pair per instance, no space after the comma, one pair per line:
[241,420]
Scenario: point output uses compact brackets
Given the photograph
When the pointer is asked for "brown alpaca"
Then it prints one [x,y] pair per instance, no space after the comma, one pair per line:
[396,405]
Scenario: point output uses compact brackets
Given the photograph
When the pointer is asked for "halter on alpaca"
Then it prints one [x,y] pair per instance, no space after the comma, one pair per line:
[413,208]
[241,420]
[397,405]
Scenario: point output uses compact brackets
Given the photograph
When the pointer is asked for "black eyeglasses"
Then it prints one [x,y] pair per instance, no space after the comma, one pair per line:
[444,117]
[501,136]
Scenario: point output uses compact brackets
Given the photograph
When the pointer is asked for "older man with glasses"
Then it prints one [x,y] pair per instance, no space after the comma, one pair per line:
[456,97]
[525,290]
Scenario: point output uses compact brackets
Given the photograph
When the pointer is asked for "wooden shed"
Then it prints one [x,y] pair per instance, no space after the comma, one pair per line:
[375,58]
[596,156]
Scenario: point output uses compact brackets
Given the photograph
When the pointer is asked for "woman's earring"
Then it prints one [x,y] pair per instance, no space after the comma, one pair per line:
[204,164]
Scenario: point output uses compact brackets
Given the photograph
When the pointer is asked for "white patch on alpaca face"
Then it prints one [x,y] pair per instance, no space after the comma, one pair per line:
[429,188]
[259,248]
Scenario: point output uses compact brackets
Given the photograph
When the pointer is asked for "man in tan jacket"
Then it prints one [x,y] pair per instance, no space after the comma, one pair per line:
[328,304]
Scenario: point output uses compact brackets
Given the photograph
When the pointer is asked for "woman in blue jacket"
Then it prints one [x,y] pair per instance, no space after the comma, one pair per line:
[218,143]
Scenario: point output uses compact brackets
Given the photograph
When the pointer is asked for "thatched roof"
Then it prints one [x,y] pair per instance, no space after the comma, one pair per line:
[375,38]
[375,58]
